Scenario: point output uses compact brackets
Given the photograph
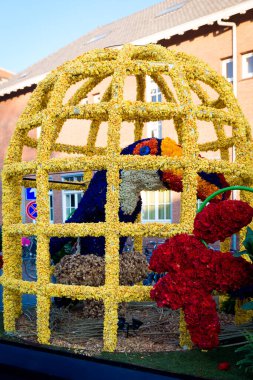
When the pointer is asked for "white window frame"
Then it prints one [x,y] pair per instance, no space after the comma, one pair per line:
[145,195]
[155,92]
[224,63]
[75,177]
[199,203]
[51,209]
[84,101]
[96,98]
[154,128]
[245,67]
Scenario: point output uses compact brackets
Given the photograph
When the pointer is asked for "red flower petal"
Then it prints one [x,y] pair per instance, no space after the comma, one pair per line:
[223,366]
[217,221]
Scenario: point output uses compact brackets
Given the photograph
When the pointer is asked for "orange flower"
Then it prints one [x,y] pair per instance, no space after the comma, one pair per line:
[149,146]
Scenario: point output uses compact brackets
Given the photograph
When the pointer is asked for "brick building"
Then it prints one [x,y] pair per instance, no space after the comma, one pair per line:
[219,32]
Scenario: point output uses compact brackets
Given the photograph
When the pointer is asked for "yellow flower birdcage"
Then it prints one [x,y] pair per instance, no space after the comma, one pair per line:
[46,110]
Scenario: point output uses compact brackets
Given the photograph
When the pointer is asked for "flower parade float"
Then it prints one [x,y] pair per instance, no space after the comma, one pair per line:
[92,209]
[92,205]
[109,209]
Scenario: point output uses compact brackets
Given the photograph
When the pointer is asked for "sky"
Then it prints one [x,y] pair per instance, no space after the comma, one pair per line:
[33,29]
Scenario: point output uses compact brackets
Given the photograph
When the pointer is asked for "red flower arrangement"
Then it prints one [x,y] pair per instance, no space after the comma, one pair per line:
[173,179]
[194,272]
[218,221]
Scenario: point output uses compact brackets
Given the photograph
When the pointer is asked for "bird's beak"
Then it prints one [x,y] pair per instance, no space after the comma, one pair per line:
[207,183]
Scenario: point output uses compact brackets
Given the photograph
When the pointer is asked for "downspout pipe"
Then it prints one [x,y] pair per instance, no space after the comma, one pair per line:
[235,80]
[234,51]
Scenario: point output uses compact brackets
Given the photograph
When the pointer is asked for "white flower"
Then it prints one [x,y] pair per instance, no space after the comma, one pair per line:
[133,182]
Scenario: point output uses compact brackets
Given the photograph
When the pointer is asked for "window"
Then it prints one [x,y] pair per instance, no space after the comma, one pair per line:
[154,128]
[84,101]
[247,65]
[73,178]
[96,98]
[199,203]
[156,95]
[172,8]
[98,37]
[156,206]
[71,198]
[51,206]
[227,69]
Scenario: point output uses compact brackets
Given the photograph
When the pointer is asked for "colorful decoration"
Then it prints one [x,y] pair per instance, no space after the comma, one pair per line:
[207,183]
[92,205]
[193,271]
[25,242]
[49,108]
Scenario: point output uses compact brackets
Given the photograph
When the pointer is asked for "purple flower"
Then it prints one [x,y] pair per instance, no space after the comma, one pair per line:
[25,242]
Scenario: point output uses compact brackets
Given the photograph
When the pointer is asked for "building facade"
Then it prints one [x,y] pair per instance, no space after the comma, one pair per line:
[219,34]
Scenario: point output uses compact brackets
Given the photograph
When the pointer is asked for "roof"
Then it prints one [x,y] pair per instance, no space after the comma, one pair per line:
[5,74]
[163,20]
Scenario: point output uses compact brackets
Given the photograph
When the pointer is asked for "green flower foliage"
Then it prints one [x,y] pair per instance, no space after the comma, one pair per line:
[67,249]
[247,362]
[248,244]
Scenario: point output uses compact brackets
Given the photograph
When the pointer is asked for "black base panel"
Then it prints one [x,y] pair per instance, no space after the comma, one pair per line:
[20,361]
